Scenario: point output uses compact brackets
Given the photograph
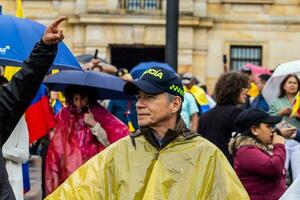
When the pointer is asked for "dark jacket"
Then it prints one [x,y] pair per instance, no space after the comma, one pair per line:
[261,172]
[16,96]
[217,126]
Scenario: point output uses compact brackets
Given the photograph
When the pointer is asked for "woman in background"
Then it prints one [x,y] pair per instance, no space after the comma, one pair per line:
[84,128]
[282,106]
[260,168]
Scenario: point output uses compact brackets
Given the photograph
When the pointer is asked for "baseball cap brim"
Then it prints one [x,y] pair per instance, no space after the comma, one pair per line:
[272,120]
[133,87]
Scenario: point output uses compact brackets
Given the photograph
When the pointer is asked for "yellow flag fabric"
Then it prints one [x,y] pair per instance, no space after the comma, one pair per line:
[19,11]
[192,169]
[54,71]
[9,71]
[253,91]
[198,93]
[296,105]
[130,127]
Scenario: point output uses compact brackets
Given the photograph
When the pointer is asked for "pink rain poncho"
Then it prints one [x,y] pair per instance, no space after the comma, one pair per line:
[73,143]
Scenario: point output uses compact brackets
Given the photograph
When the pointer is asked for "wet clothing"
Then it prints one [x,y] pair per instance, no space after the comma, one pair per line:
[16,96]
[182,166]
[217,126]
[74,142]
[261,171]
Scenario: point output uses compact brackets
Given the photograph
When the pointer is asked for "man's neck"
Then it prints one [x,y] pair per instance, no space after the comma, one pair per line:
[162,128]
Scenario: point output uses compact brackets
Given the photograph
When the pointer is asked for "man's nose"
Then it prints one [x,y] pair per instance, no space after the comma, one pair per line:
[139,104]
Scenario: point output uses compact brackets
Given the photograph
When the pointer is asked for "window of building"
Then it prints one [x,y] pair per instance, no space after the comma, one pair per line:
[240,55]
[134,5]
[249,1]
[140,4]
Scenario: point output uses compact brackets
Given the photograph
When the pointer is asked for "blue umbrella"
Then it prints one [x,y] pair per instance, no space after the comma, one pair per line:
[106,86]
[18,37]
[138,70]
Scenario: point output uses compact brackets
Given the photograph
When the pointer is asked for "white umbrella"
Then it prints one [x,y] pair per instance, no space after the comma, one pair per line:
[293,192]
[272,87]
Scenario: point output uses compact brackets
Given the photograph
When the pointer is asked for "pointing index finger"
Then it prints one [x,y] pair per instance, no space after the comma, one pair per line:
[58,21]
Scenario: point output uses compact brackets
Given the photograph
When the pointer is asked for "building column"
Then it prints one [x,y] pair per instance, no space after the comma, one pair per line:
[200,54]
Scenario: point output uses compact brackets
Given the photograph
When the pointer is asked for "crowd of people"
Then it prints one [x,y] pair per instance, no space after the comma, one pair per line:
[175,141]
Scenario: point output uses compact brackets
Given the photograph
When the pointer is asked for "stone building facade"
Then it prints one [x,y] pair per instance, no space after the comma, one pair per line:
[265,32]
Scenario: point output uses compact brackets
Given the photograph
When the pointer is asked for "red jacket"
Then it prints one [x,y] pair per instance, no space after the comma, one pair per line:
[261,173]
[73,143]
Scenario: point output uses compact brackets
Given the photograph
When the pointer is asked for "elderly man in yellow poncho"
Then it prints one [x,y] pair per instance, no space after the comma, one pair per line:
[162,160]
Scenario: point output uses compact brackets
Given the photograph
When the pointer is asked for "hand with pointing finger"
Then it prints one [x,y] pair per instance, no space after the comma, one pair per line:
[53,34]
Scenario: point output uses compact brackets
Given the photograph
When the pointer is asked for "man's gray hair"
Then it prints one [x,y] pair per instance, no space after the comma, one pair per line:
[171,98]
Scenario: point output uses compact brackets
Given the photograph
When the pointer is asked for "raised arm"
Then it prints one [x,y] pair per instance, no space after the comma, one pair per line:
[18,93]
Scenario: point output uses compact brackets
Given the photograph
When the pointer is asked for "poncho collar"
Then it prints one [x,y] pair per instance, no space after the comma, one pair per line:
[149,134]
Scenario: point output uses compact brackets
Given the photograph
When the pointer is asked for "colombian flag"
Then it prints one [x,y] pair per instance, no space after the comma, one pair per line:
[39,116]
[296,105]
[200,97]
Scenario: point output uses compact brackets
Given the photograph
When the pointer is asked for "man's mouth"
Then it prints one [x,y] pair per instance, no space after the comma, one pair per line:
[143,114]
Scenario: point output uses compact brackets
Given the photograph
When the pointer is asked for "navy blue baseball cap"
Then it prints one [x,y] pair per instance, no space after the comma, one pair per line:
[252,116]
[156,80]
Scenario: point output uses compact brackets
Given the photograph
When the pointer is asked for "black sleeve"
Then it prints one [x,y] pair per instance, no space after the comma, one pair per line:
[16,96]
[235,112]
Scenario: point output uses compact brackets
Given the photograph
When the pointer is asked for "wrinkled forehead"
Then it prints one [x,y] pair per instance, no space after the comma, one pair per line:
[142,93]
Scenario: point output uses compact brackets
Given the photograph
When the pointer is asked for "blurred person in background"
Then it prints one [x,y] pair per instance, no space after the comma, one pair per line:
[259,101]
[260,168]
[96,65]
[253,90]
[189,112]
[190,85]
[282,106]
[84,128]
[125,110]
[16,152]
[216,125]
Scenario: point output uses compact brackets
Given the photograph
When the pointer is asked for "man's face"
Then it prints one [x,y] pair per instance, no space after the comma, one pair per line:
[153,110]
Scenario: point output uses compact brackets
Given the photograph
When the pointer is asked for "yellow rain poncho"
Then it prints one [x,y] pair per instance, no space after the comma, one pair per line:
[188,168]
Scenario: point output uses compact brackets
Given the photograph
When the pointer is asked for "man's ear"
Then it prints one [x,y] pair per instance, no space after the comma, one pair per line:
[176,103]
